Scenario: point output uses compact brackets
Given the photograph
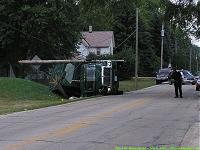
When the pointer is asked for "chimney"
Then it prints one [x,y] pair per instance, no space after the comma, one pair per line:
[90,29]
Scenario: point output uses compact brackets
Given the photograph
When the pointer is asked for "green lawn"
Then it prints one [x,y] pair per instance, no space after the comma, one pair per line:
[19,94]
[129,85]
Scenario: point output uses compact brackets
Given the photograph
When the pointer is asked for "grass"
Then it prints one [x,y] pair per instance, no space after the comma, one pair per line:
[19,95]
[129,85]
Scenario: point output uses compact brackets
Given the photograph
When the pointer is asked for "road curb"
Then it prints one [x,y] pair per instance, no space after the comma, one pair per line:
[143,89]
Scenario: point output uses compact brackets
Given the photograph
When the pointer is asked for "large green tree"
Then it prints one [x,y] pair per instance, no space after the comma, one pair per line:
[96,13]
[120,16]
[184,13]
[51,28]
[48,28]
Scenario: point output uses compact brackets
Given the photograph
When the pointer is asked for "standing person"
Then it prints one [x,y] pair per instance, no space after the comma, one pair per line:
[177,82]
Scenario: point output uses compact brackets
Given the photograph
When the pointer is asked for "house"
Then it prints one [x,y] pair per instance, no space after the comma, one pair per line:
[97,42]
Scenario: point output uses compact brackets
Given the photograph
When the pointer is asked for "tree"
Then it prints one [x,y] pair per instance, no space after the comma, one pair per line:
[96,13]
[48,28]
[184,14]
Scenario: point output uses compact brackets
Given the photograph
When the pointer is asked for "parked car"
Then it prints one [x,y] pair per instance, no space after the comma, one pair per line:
[196,76]
[198,85]
[162,75]
[187,77]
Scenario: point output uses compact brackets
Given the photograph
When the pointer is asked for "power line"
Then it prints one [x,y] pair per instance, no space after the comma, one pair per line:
[125,40]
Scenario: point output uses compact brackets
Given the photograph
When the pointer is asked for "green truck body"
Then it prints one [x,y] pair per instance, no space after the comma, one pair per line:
[85,79]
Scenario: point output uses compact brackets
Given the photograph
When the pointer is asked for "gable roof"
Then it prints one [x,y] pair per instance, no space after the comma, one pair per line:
[98,39]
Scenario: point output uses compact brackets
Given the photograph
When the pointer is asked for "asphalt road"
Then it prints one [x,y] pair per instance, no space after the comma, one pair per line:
[150,117]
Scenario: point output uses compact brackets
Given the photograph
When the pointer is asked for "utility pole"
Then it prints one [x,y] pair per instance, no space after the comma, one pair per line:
[176,52]
[197,64]
[162,44]
[190,59]
[136,53]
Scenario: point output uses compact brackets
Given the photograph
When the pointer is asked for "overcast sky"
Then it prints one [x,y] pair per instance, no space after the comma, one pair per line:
[195,41]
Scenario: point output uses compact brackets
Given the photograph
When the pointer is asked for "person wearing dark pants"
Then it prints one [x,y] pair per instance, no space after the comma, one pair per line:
[177,83]
[178,87]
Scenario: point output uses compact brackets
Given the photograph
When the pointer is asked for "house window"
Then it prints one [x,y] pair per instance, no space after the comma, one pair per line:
[98,51]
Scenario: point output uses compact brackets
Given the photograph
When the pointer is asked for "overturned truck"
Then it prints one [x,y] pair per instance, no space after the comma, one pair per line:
[82,78]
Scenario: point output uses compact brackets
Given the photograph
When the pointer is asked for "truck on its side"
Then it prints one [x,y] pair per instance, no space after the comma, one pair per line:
[82,77]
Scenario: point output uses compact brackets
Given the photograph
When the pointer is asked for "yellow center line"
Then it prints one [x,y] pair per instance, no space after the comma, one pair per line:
[75,126]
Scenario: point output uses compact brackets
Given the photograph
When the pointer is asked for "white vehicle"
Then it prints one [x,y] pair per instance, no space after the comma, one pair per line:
[188,78]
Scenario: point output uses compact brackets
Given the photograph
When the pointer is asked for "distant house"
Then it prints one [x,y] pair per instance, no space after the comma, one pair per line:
[97,42]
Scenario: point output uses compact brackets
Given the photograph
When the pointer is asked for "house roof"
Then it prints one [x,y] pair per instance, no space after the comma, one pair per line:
[98,38]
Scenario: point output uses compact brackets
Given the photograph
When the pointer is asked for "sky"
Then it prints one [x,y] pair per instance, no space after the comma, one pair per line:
[196,41]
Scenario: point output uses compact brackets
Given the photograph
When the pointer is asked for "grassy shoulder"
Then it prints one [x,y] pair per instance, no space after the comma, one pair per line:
[129,85]
[19,95]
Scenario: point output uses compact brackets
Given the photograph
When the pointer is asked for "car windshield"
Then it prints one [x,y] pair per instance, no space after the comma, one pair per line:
[187,74]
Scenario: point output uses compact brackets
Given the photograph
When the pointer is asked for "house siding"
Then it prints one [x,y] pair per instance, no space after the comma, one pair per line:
[103,51]
[83,50]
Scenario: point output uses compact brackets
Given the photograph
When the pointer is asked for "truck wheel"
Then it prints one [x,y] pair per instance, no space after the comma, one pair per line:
[104,91]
